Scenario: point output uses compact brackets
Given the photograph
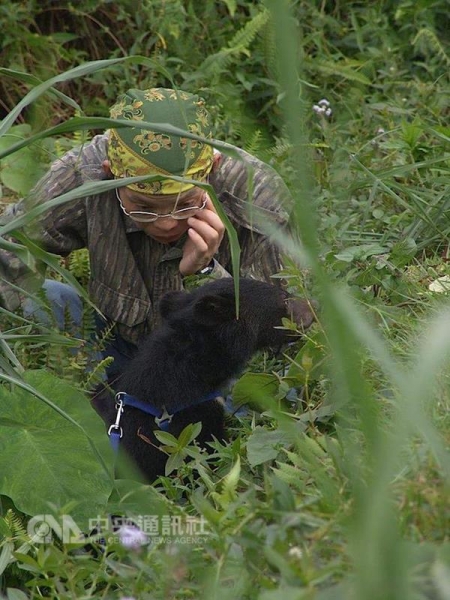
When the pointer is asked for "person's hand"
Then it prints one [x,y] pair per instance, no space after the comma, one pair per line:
[205,234]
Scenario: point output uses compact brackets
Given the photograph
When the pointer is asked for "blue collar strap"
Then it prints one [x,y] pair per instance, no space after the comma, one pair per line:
[162,417]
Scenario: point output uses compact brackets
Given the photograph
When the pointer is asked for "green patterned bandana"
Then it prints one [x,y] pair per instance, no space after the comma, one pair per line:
[133,151]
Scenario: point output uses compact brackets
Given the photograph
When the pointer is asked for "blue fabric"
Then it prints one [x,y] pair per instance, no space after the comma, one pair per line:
[135,403]
[124,399]
[67,313]
[231,409]
[65,303]
[114,438]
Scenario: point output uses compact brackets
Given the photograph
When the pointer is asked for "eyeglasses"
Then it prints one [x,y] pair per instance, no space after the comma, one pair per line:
[150,217]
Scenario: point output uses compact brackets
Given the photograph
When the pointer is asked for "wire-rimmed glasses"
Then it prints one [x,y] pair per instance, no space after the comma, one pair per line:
[143,216]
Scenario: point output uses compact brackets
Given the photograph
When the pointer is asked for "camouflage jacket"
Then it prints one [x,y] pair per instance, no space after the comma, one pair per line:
[129,270]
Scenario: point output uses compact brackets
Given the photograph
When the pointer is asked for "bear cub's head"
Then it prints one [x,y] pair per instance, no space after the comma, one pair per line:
[209,313]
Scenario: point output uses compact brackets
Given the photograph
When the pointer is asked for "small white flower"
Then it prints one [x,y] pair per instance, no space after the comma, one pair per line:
[323,107]
[380,131]
[131,538]
[295,552]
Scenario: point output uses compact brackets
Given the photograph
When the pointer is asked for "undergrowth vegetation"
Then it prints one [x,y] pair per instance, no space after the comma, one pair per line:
[335,483]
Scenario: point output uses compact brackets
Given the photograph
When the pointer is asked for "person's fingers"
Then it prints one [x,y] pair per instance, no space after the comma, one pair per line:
[211,217]
[208,232]
[201,247]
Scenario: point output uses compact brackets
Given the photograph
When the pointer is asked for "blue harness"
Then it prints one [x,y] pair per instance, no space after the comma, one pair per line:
[162,417]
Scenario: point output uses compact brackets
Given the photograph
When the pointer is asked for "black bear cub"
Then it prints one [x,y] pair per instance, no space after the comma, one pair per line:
[183,364]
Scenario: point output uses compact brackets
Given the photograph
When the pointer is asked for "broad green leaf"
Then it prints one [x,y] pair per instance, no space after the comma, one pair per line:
[6,555]
[283,497]
[134,498]
[310,361]
[230,483]
[263,445]
[46,460]
[166,438]
[173,463]
[255,389]
[362,252]
[15,380]
[189,433]
[15,594]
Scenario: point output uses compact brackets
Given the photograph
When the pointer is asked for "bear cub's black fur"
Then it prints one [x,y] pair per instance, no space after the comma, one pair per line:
[197,348]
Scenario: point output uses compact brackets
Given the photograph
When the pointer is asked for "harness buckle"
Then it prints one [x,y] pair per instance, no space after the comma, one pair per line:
[116,425]
[113,428]
[164,420]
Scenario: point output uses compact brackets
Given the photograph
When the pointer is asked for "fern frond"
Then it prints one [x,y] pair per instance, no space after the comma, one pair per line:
[59,148]
[79,265]
[96,376]
[281,148]
[80,137]
[434,43]
[245,36]
[15,524]
[239,44]
[253,145]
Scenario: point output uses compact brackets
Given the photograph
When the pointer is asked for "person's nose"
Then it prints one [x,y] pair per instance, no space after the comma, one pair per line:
[165,224]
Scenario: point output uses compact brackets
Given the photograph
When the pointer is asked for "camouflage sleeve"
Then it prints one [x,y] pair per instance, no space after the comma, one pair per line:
[260,257]
[252,190]
[257,201]
[61,229]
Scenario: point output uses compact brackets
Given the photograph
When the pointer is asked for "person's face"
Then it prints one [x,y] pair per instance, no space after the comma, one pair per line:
[165,229]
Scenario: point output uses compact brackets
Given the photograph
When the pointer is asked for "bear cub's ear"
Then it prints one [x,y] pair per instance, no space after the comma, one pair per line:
[172,302]
[215,309]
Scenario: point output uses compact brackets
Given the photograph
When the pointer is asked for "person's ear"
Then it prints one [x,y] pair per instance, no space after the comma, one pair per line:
[106,166]
[216,160]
